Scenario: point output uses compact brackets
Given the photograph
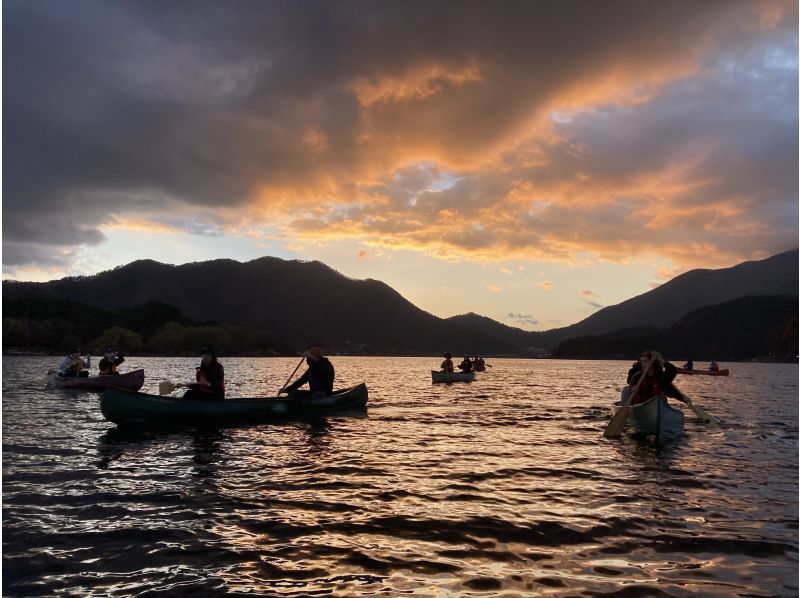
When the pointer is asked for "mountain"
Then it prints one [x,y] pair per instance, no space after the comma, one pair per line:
[297,304]
[744,328]
[666,304]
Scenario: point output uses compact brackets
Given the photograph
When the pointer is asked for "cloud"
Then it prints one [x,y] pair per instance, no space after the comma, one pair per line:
[523,319]
[587,296]
[662,127]
[547,284]
[494,288]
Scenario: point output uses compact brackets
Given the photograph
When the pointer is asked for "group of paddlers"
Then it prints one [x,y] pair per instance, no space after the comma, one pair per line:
[210,375]
[474,364]
[74,366]
[689,366]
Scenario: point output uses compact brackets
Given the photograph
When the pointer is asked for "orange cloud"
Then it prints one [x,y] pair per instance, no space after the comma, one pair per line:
[418,83]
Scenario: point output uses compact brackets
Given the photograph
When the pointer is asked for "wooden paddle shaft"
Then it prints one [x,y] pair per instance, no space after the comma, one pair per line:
[302,359]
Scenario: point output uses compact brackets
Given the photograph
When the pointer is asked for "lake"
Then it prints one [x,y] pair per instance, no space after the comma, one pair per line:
[500,486]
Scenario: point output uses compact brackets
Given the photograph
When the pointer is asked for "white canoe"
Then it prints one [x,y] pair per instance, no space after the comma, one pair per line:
[438,376]
[653,418]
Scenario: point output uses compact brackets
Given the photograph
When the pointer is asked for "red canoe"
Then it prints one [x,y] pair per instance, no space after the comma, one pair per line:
[704,372]
[129,381]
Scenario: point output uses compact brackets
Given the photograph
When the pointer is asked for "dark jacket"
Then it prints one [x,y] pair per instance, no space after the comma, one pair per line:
[319,375]
[214,374]
[109,366]
[663,376]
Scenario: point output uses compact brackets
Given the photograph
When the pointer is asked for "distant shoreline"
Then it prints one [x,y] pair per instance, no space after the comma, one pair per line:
[787,359]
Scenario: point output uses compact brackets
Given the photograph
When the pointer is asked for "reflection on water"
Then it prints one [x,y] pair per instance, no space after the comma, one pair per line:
[501,485]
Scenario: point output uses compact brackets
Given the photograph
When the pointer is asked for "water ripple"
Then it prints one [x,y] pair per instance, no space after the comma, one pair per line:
[504,486]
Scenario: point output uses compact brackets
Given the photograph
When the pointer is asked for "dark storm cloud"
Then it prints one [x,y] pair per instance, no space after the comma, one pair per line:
[165,110]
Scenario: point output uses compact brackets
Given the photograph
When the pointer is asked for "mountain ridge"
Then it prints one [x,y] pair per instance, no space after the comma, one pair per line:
[303,302]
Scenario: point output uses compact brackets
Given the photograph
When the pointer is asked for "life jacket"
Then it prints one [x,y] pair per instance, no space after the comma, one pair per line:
[110,367]
[647,389]
[202,376]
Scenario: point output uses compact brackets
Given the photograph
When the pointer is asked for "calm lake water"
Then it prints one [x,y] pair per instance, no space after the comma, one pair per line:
[501,486]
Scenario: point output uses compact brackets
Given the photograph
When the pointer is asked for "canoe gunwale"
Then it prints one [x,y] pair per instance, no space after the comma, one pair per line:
[438,376]
[135,408]
[129,381]
[725,372]
[655,418]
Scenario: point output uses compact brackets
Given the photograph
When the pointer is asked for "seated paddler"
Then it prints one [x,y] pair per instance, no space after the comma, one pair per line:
[319,376]
[109,363]
[73,366]
[210,376]
[658,376]
[447,364]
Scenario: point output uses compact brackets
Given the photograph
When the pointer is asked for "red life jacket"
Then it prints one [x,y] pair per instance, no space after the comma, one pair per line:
[647,389]
[205,387]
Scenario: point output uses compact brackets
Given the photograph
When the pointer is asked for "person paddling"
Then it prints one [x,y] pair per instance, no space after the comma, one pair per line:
[210,377]
[319,376]
[108,365]
[73,366]
[447,364]
[466,365]
[714,367]
[689,365]
[658,381]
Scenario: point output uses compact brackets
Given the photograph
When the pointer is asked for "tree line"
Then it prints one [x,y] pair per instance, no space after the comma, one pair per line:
[48,325]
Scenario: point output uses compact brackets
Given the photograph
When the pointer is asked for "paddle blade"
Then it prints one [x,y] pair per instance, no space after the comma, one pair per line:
[164,388]
[617,423]
[701,413]
[46,380]
[704,415]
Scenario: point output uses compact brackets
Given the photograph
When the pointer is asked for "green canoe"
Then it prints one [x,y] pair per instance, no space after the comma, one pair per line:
[137,408]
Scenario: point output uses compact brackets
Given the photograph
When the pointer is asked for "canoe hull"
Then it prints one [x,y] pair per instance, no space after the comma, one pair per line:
[703,372]
[132,381]
[654,418]
[136,408]
[438,376]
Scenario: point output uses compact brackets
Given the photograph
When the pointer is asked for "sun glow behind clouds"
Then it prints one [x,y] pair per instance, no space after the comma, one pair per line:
[664,138]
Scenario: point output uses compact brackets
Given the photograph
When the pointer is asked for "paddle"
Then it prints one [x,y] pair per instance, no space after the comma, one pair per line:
[302,359]
[50,375]
[165,387]
[617,423]
[698,411]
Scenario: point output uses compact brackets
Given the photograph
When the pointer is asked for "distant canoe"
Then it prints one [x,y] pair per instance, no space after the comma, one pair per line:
[439,376]
[653,418]
[703,372]
[127,381]
[138,408]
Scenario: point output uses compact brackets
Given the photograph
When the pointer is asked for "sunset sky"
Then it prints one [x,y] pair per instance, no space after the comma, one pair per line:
[531,161]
